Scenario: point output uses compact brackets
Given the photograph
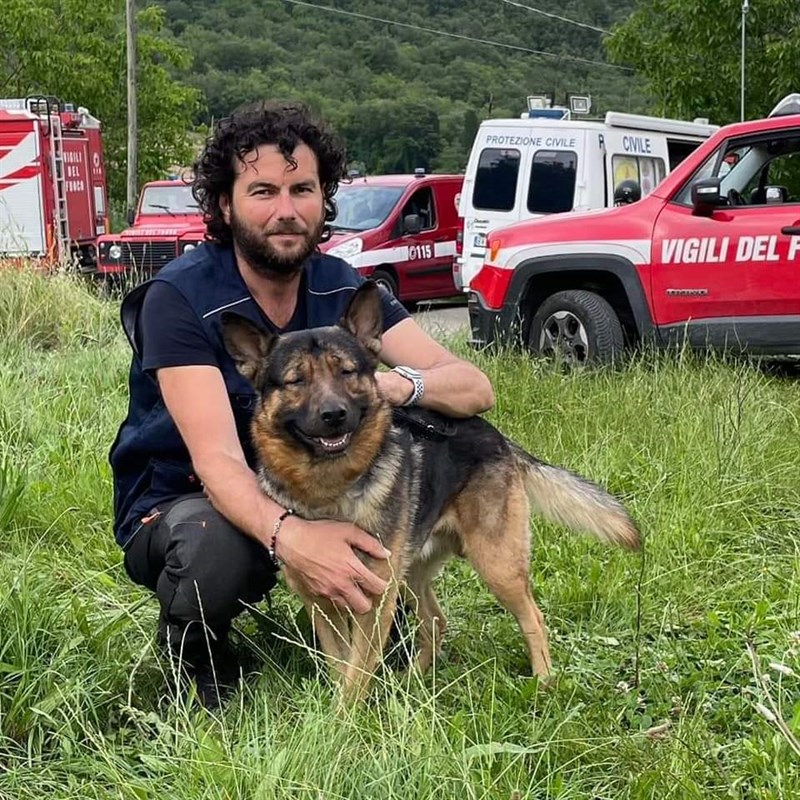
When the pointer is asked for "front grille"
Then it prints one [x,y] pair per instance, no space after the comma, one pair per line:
[149,256]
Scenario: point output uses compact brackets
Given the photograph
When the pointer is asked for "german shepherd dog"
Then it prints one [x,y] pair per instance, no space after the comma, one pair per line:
[430,488]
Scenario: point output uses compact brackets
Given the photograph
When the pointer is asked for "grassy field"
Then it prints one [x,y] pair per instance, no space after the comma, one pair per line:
[674,668]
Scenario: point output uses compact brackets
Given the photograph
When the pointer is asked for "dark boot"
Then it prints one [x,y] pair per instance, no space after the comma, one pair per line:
[209,662]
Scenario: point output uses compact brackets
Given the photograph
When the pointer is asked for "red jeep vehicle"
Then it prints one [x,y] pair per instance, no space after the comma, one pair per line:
[167,223]
[710,257]
[400,230]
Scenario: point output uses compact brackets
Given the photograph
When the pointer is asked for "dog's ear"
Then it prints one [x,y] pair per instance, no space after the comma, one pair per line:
[248,345]
[364,317]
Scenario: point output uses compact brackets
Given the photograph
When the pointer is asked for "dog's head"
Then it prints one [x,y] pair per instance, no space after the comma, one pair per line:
[318,396]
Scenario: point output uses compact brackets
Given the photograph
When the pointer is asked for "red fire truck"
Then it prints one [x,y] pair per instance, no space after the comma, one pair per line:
[52,182]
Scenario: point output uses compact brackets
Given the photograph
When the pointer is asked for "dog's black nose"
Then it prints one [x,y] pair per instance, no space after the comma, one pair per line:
[333,416]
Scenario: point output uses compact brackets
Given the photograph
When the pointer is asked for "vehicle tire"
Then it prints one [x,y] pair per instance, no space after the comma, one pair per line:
[386,280]
[577,328]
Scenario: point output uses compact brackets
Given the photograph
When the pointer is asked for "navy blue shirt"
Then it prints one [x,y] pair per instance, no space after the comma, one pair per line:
[175,337]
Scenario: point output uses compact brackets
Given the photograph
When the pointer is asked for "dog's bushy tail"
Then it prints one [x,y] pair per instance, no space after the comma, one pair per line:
[563,497]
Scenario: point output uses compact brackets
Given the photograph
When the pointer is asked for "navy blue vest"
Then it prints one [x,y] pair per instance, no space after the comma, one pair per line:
[149,460]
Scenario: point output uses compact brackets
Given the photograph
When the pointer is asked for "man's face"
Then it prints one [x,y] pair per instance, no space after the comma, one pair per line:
[276,212]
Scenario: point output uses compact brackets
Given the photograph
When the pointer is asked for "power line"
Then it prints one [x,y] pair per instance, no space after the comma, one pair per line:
[556,16]
[519,48]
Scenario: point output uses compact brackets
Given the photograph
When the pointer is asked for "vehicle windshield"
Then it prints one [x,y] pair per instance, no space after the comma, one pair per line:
[361,207]
[171,200]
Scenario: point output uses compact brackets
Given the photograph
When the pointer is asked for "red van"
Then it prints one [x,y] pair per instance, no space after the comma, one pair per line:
[401,231]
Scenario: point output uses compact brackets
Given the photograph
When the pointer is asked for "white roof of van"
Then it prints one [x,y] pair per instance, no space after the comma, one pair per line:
[613,119]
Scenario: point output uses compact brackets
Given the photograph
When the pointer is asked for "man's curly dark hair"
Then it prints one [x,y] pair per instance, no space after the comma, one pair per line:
[285,125]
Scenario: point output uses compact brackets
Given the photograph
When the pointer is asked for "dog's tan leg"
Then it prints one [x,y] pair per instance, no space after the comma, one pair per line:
[433,625]
[330,626]
[332,632]
[496,542]
[432,621]
[368,635]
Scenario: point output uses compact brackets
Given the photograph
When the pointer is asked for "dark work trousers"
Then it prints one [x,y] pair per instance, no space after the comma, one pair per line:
[202,570]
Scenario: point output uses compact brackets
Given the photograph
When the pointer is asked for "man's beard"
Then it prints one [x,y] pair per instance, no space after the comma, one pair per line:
[257,249]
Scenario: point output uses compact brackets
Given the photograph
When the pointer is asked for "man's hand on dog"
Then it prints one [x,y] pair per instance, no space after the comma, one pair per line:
[322,554]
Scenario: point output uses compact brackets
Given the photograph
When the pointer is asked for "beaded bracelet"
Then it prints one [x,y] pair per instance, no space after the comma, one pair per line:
[276,526]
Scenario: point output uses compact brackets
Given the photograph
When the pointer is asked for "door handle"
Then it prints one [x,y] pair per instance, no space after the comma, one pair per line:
[791,230]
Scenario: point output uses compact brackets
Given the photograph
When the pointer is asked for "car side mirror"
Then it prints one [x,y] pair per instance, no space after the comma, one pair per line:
[412,224]
[131,216]
[706,196]
[775,194]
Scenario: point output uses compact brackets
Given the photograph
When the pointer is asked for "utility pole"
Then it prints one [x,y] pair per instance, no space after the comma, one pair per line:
[745,9]
[130,27]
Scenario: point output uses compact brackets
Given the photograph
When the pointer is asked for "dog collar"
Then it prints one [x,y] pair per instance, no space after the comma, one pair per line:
[415,376]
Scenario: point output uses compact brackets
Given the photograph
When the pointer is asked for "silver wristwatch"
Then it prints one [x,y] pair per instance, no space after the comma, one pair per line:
[415,376]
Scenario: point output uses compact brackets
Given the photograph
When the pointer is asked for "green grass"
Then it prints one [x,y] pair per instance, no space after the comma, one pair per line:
[705,453]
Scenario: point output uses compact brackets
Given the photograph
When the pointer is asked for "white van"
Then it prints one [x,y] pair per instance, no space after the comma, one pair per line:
[548,163]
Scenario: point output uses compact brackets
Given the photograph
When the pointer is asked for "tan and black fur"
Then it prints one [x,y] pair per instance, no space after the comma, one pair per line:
[331,448]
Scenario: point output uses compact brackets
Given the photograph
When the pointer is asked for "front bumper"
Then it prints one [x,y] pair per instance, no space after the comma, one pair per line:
[490,327]
[483,322]
[143,257]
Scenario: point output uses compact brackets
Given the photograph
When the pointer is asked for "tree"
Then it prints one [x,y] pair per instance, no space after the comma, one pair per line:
[393,136]
[76,51]
[689,53]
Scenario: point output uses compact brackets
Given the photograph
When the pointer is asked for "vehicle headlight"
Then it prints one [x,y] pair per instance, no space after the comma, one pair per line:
[347,249]
[188,247]
[115,251]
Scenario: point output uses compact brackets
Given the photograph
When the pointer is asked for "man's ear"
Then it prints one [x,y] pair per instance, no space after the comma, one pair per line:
[248,346]
[364,317]
[225,207]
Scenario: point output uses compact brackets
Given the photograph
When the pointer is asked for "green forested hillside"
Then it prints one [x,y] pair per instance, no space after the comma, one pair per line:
[402,97]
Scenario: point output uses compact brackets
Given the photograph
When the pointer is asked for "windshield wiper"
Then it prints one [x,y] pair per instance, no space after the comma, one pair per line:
[342,229]
[165,208]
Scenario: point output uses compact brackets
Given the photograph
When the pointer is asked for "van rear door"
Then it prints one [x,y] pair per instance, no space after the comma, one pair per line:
[516,173]
[493,191]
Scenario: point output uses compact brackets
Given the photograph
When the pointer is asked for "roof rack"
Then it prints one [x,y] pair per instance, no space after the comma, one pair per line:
[618,119]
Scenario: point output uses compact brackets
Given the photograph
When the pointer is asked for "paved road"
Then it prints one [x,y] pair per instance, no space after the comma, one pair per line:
[442,318]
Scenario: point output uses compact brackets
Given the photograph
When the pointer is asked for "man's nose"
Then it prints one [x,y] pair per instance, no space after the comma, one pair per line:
[285,208]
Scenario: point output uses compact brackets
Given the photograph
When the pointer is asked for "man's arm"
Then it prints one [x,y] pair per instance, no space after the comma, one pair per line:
[320,552]
[452,386]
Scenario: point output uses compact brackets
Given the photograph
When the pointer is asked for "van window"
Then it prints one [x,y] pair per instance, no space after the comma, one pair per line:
[496,181]
[647,172]
[552,185]
[678,150]
[421,203]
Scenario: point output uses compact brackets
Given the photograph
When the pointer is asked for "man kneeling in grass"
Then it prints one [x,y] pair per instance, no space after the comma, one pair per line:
[195,526]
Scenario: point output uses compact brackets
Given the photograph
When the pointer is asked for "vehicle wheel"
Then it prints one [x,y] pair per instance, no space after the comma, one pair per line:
[577,327]
[386,280]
